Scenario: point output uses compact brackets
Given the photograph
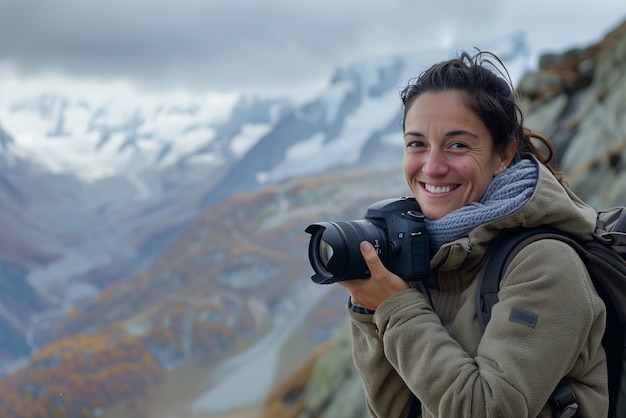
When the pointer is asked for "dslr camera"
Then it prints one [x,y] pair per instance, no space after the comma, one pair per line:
[396,229]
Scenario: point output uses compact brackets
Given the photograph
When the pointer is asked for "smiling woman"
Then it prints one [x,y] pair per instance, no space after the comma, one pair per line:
[474,170]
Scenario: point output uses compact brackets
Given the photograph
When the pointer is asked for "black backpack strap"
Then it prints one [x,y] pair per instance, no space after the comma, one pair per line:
[415,407]
[498,258]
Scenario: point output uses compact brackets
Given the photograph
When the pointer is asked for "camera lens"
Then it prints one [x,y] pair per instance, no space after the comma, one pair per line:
[334,249]
[326,253]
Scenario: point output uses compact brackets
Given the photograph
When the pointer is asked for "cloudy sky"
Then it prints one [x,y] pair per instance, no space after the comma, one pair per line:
[264,46]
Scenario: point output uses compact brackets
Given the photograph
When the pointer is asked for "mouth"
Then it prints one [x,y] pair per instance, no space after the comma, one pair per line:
[439,189]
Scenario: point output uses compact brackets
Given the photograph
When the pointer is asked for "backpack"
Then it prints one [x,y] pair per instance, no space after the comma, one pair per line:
[605,259]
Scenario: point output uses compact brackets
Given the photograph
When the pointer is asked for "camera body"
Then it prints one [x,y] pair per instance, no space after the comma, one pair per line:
[396,229]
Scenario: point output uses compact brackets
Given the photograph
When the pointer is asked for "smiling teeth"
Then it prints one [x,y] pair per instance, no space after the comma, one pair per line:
[434,189]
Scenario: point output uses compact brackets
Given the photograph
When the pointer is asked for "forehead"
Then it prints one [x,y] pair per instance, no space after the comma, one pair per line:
[446,97]
[442,107]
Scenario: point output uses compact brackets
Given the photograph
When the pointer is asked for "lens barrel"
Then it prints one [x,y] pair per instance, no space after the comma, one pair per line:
[334,249]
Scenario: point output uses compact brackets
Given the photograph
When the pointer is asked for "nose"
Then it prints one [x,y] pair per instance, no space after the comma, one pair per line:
[435,164]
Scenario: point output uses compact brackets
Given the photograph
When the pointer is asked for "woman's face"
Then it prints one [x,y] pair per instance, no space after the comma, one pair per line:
[449,158]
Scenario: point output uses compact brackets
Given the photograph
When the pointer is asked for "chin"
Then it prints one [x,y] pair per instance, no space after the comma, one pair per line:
[436,213]
[433,215]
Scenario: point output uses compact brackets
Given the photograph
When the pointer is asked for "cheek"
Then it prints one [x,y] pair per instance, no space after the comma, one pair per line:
[467,171]
[410,167]
[406,166]
[480,178]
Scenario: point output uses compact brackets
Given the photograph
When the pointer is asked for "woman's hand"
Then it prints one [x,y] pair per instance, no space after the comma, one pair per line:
[369,293]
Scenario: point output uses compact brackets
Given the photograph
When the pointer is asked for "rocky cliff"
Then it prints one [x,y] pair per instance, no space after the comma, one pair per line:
[578,98]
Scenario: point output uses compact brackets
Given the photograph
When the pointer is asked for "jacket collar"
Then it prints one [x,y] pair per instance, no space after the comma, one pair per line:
[457,263]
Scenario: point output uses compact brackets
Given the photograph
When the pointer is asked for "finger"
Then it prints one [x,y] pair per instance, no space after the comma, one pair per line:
[370,256]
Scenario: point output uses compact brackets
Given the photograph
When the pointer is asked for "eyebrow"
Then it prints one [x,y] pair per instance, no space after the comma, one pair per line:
[455,132]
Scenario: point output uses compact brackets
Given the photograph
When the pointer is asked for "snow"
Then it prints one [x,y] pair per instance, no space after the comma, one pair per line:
[87,132]
[362,124]
[313,155]
[250,134]
[332,98]
[305,149]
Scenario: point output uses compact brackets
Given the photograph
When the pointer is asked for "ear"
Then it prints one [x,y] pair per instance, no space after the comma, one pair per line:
[504,158]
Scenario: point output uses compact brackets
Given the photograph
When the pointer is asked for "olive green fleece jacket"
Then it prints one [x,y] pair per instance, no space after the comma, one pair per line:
[511,369]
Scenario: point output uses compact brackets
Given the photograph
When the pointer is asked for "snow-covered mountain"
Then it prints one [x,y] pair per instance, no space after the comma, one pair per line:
[93,190]
[354,121]
[104,138]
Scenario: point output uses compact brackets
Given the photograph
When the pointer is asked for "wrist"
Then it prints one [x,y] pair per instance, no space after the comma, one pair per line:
[359,309]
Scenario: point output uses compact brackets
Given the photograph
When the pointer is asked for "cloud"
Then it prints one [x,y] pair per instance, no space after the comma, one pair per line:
[249,45]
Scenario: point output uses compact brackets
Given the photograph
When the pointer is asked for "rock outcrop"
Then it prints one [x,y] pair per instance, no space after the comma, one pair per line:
[578,99]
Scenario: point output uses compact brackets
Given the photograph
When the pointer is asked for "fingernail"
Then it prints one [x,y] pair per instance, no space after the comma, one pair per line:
[366,247]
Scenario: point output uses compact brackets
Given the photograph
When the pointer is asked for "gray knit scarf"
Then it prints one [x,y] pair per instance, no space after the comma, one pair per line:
[507,192]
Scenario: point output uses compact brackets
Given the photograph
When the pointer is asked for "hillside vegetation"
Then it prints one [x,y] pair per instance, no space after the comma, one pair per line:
[222,284]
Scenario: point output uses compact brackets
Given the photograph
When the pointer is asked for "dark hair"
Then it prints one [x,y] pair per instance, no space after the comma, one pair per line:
[487,91]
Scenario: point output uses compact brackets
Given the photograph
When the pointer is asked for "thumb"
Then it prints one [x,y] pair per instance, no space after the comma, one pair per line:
[371,258]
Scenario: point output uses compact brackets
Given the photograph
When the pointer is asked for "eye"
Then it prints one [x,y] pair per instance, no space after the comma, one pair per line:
[414,144]
[458,145]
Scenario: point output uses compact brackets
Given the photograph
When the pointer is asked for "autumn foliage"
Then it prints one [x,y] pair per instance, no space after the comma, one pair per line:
[72,377]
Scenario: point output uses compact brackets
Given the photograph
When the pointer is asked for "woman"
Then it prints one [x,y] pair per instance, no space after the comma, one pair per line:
[474,171]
